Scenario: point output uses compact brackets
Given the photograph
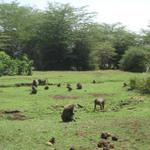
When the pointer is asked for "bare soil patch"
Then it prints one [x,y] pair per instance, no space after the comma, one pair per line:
[100,94]
[63,97]
[12,115]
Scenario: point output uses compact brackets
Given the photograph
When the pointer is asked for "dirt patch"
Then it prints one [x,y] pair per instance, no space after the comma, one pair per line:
[16,116]
[12,115]
[62,97]
[100,94]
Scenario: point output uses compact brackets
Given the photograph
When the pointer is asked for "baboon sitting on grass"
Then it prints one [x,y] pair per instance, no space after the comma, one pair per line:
[79,86]
[68,113]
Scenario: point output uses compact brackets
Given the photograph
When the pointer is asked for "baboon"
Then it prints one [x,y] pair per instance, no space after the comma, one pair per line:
[114,138]
[100,102]
[35,83]
[52,140]
[42,82]
[68,113]
[79,86]
[124,84]
[72,148]
[69,87]
[58,85]
[34,89]
[105,135]
[46,87]
[94,81]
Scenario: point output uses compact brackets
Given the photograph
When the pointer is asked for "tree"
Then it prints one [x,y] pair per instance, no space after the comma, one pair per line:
[136,59]
[104,55]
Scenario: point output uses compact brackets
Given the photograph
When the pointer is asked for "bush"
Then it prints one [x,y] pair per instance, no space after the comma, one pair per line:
[135,60]
[9,66]
[142,85]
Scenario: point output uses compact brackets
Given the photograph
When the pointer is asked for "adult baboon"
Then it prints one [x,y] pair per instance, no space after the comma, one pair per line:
[79,86]
[35,83]
[69,87]
[100,102]
[68,113]
[34,89]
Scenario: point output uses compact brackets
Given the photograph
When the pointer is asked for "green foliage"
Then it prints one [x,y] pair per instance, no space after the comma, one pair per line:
[63,37]
[135,60]
[9,66]
[104,55]
[141,84]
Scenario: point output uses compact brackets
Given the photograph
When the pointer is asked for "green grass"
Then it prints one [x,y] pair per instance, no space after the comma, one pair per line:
[131,123]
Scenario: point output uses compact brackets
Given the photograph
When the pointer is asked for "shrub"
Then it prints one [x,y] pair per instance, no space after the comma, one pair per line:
[142,85]
[9,66]
[135,60]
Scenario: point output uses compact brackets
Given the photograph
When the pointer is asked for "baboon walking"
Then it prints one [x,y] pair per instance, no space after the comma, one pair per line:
[100,102]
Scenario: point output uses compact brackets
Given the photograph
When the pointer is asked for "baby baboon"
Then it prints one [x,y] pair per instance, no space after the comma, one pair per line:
[46,87]
[67,114]
[100,102]
[79,86]
[35,83]
[34,89]
[94,81]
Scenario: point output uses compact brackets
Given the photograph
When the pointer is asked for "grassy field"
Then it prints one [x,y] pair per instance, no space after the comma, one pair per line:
[127,113]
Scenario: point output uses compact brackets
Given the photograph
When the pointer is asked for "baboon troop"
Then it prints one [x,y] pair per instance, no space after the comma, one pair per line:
[100,102]
[79,86]
[68,113]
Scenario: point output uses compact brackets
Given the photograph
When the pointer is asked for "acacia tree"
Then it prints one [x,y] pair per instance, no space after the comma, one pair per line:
[62,39]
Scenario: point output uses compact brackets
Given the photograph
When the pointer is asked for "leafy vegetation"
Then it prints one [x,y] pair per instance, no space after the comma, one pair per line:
[140,84]
[9,66]
[62,37]
[135,60]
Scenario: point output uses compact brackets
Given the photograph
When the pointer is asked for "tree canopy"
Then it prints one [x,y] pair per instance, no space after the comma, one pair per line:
[62,37]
